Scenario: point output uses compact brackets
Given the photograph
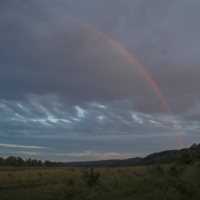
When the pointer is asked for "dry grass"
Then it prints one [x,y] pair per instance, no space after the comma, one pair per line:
[114,183]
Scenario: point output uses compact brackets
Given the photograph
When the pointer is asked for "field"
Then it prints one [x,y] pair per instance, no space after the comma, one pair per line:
[157,182]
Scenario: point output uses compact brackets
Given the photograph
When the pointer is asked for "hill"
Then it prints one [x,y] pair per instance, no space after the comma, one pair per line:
[183,156]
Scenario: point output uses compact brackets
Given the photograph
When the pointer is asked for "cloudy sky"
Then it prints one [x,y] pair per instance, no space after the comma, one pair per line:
[70,86]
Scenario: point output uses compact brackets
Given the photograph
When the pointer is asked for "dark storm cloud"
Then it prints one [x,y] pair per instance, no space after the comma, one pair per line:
[61,79]
[48,52]
[163,35]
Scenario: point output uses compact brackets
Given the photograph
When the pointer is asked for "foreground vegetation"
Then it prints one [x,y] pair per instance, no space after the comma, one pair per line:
[166,182]
[168,175]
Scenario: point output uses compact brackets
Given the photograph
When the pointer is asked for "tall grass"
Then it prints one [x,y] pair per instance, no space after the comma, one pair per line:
[172,182]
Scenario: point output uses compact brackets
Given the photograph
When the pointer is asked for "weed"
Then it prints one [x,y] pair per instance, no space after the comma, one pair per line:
[39,174]
[71,183]
[116,184]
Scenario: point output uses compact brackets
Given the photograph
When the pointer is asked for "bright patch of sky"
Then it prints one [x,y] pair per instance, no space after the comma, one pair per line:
[101,106]
[43,121]
[100,118]
[154,122]
[137,119]
[81,112]
[18,118]
[21,146]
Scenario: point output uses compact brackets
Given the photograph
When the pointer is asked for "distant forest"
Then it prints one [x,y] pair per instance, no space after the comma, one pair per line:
[183,156]
[18,161]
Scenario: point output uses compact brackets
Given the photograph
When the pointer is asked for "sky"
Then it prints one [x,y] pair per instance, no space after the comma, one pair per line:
[97,80]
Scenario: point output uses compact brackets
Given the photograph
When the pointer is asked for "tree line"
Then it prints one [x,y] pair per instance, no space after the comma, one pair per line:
[183,156]
[18,161]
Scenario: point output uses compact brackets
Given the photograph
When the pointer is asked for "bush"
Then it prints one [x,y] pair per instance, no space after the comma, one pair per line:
[91,177]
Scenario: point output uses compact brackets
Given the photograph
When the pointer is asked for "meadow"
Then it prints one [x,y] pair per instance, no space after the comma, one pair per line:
[166,182]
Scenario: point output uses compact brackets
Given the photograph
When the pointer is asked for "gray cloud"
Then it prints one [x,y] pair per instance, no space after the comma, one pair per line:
[60,78]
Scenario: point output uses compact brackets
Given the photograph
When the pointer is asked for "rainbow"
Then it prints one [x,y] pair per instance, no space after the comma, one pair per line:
[137,64]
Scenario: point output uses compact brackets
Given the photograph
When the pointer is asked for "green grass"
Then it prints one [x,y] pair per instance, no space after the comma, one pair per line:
[154,182]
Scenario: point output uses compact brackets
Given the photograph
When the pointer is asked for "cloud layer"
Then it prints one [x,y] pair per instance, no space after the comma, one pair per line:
[61,79]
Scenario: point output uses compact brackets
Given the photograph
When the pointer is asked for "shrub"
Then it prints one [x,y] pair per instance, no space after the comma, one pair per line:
[91,177]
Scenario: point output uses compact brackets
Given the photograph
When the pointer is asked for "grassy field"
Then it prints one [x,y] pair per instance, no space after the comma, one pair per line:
[154,182]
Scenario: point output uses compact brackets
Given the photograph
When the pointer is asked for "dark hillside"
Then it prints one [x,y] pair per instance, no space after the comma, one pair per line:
[164,157]
[183,156]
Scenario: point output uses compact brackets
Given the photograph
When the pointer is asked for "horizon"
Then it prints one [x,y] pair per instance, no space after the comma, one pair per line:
[100,160]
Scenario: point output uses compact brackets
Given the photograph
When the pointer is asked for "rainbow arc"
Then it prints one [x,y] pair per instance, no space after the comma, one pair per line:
[138,65]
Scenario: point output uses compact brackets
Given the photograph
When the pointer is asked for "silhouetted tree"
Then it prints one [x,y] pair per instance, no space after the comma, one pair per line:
[40,163]
[34,162]
[21,162]
[28,162]
[2,161]
[12,161]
